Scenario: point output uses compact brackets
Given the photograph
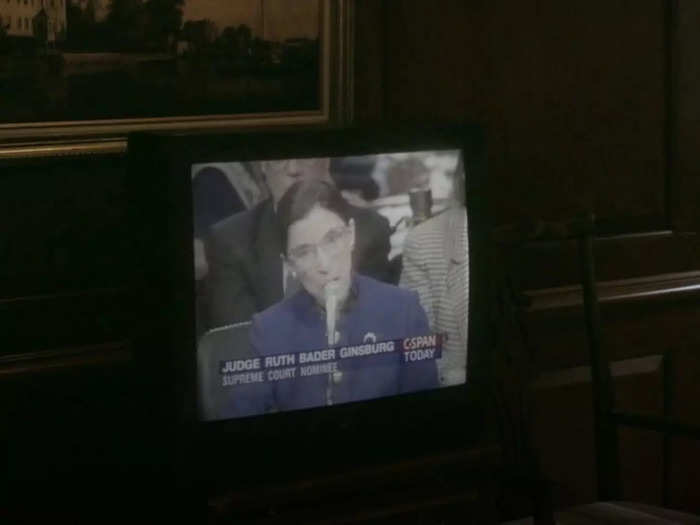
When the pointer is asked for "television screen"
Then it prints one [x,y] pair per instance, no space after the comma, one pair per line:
[327,280]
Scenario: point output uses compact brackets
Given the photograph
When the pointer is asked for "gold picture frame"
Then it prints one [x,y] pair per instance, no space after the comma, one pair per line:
[94,137]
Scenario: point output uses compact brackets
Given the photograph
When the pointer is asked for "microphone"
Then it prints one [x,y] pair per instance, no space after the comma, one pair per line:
[330,292]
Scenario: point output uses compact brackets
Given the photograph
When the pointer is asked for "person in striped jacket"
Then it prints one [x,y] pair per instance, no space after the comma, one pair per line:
[436,265]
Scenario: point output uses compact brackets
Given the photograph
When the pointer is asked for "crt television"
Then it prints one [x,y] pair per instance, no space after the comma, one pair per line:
[310,300]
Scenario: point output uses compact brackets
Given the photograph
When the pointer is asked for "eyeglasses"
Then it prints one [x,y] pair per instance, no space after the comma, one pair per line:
[306,255]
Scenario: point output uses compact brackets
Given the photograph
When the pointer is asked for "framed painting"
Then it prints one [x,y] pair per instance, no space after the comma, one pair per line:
[77,75]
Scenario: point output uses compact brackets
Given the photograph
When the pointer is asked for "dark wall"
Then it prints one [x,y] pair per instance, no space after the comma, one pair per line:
[573,95]
[685,106]
[65,245]
[589,106]
[71,416]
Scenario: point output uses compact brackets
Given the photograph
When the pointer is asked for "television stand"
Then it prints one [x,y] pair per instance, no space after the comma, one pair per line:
[452,487]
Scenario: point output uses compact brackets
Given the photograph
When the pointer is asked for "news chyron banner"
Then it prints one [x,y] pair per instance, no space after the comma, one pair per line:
[280,367]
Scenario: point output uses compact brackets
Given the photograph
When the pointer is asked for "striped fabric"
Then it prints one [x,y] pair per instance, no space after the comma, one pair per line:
[436,265]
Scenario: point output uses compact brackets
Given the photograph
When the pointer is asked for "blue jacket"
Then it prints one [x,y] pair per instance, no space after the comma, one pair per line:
[376,312]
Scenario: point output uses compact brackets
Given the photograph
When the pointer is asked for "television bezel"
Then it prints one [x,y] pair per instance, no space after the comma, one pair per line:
[159,185]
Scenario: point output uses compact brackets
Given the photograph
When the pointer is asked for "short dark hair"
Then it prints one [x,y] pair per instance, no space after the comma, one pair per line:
[302,197]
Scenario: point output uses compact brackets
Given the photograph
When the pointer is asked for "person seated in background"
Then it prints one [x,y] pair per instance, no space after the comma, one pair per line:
[336,306]
[246,273]
[213,198]
[436,265]
[353,175]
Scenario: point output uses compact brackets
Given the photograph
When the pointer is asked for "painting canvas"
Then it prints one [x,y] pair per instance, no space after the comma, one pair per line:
[99,60]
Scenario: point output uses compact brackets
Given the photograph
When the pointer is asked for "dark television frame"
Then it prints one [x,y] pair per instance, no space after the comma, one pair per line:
[287,445]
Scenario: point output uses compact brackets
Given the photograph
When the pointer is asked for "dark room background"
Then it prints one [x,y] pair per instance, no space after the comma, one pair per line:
[589,105]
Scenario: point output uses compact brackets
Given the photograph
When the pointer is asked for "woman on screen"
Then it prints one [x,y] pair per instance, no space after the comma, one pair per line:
[336,307]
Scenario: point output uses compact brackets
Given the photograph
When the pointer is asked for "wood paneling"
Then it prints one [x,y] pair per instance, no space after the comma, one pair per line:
[566,448]
[686,116]
[369,60]
[42,322]
[636,327]
[658,287]
[71,358]
[63,225]
[549,264]
[572,94]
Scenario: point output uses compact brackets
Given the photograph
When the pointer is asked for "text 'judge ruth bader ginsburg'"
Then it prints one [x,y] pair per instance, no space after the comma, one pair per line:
[336,307]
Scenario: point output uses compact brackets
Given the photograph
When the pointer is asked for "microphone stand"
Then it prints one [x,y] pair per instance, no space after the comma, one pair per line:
[331,293]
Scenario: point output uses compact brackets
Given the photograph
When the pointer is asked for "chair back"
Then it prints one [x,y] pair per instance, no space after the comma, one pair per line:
[220,344]
[605,428]
[582,229]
